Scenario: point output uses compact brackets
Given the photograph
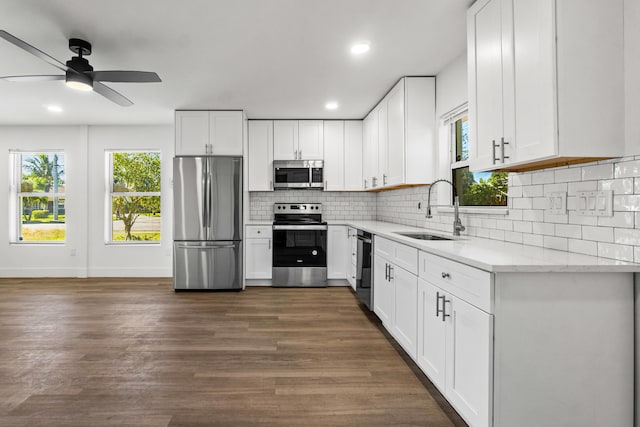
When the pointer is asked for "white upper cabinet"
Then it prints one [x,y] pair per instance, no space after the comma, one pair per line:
[343,155]
[545,82]
[334,159]
[353,155]
[208,132]
[285,139]
[399,141]
[310,140]
[260,159]
[298,140]
[395,147]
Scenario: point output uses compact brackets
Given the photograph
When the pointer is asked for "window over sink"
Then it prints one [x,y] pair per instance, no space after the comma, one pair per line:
[473,188]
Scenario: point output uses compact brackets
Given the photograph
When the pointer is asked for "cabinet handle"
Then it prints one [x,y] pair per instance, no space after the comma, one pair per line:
[444,308]
[374,181]
[502,144]
[495,159]
[365,184]
[300,154]
[386,271]
[384,179]
[295,154]
[446,275]
[437,304]
[390,271]
[269,244]
[326,184]
[271,184]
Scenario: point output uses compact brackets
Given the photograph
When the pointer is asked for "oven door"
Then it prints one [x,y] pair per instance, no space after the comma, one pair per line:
[299,246]
[291,177]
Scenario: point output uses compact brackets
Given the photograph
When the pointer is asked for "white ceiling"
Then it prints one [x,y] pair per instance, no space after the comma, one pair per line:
[272,58]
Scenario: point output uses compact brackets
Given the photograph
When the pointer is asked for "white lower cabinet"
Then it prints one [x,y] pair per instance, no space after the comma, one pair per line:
[337,252]
[405,302]
[383,303]
[352,272]
[455,341]
[259,252]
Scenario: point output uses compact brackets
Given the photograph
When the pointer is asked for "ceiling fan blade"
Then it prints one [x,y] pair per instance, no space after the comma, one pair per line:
[111,94]
[31,78]
[33,50]
[125,76]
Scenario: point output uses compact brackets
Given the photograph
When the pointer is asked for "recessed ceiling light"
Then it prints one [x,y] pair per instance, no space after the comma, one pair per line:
[54,108]
[360,48]
[331,105]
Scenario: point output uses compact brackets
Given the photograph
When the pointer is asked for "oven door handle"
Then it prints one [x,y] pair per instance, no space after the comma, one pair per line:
[300,227]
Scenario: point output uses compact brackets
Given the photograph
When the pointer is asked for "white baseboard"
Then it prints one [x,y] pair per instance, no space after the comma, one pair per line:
[43,272]
[130,272]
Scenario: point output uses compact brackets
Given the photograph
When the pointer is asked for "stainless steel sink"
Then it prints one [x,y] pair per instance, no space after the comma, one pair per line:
[423,236]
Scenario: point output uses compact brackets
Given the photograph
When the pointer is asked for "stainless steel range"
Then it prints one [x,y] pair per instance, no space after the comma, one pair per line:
[299,245]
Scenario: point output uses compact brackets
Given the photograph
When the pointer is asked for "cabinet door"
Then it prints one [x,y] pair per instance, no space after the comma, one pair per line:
[405,324]
[367,146]
[225,133]
[534,82]
[285,139]
[192,132]
[486,96]
[383,145]
[258,258]
[469,360]
[382,292]
[353,155]
[260,155]
[431,350]
[337,252]
[395,132]
[311,139]
[334,162]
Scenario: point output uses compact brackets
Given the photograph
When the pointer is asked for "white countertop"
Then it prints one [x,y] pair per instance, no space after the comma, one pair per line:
[494,255]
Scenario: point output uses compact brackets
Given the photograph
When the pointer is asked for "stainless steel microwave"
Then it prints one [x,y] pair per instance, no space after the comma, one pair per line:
[298,174]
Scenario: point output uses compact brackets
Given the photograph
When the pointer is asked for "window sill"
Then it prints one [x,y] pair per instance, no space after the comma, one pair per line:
[133,243]
[36,243]
[474,210]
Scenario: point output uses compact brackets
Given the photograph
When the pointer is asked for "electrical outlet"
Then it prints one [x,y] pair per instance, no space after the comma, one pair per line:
[594,203]
[72,252]
[557,202]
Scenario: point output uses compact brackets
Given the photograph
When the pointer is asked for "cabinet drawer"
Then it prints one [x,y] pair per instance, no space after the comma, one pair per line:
[467,283]
[259,231]
[401,255]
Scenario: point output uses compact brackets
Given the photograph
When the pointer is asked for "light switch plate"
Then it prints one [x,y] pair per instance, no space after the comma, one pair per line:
[594,203]
[557,202]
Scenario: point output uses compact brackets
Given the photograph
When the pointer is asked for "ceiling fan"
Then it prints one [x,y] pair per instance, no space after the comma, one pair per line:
[79,73]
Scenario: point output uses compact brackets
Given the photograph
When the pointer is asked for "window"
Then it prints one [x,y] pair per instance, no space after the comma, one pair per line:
[38,198]
[134,197]
[473,188]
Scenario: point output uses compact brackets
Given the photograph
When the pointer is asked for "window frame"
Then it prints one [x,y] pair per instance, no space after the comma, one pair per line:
[16,194]
[448,120]
[110,194]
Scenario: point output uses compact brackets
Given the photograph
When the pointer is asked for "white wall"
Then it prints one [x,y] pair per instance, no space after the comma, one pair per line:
[632,75]
[451,86]
[132,260]
[83,148]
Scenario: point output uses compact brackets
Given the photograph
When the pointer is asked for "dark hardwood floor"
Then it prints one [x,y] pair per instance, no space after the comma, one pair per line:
[131,352]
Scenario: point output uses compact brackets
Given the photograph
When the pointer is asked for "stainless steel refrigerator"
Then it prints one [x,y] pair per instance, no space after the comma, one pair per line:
[207,232]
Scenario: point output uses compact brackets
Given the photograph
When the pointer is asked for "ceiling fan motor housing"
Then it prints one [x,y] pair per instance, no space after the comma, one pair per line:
[80,47]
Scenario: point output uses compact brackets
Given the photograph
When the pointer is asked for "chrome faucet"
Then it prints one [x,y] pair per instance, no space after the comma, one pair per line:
[457,224]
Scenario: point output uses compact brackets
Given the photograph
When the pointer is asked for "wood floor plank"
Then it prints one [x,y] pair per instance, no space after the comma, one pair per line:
[125,352]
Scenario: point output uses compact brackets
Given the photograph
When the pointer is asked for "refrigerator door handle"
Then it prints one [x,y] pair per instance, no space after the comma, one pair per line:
[206,247]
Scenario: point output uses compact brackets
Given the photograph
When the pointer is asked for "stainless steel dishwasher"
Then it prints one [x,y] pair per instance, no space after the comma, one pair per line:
[364,269]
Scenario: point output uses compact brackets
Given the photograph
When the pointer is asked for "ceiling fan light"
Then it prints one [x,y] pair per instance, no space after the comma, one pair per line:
[79,81]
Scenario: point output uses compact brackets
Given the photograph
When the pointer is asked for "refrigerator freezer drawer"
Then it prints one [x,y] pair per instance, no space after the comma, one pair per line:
[207,265]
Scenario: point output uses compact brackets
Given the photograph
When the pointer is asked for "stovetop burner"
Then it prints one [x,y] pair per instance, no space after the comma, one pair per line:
[298,214]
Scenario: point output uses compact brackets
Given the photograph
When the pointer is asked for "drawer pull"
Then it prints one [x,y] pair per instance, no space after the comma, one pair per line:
[446,275]
[444,308]
[438,311]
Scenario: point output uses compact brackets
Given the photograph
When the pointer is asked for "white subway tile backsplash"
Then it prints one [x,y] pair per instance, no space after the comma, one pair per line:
[533,190]
[627,236]
[522,203]
[575,218]
[532,215]
[626,203]
[618,186]
[514,237]
[569,230]
[518,179]
[522,226]
[552,242]
[554,188]
[556,218]
[621,252]
[597,172]
[567,175]
[600,234]
[619,219]
[533,239]
[546,177]
[543,228]
[627,169]
[583,247]
[574,187]
[515,191]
